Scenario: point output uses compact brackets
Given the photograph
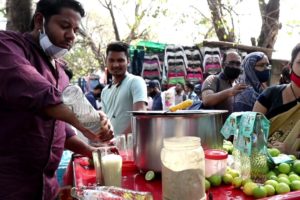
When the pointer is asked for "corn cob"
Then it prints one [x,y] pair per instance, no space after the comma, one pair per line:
[181,106]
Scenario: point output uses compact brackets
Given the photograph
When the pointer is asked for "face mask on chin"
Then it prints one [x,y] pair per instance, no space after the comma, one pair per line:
[263,76]
[49,48]
[295,78]
[232,72]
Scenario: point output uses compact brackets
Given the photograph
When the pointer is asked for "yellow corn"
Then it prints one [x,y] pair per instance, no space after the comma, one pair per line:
[181,106]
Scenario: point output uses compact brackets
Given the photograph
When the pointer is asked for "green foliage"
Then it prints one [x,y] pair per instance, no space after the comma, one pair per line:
[81,60]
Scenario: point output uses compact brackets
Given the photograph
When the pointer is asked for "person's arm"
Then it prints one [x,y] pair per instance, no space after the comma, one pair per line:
[138,106]
[210,98]
[258,107]
[76,145]
[63,113]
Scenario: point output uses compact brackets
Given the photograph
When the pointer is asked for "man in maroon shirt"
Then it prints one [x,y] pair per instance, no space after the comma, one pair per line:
[33,132]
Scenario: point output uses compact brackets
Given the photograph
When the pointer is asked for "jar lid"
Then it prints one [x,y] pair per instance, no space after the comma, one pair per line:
[215,154]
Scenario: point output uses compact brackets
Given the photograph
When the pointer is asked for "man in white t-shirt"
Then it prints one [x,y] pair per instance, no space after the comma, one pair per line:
[127,92]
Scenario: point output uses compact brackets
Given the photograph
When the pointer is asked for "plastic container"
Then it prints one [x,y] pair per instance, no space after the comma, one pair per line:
[183,169]
[215,162]
[251,161]
[73,97]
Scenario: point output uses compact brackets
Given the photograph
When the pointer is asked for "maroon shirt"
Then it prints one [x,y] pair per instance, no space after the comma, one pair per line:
[31,144]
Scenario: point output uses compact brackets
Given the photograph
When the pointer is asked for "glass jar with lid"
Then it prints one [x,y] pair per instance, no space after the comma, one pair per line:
[183,169]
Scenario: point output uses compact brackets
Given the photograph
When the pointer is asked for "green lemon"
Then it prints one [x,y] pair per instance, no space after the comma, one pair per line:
[282,188]
[234,173]
[292,173]
[283,175]
[150,175]
[274,152]
[215,180]
[227,178]
[296,167]
[247,180]
[249,187]
[207,185]
[270,173]
[294,177]
[237,182]
[270,190]
[273,178]
[284,180]
[271,182]
[259,192]
[284,168]
[295,185]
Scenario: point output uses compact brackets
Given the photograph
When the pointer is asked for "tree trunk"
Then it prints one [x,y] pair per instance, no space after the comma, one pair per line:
[270,23]
[111,12]
[223,32]
[19,14]
[108,5]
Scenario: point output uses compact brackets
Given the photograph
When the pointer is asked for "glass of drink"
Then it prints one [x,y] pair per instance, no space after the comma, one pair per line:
[111,166]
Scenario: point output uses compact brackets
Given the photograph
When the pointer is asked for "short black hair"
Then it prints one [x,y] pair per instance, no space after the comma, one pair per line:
[190,85]
[118,47]
[53,7]
[226,54]
[100,86]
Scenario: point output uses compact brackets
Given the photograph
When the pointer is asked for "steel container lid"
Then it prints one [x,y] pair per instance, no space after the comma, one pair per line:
[179,112]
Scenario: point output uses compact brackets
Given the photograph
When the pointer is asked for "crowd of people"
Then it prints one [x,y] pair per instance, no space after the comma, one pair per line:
[36,125]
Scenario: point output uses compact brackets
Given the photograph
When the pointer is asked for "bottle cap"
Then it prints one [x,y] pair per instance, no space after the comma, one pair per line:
[215,154]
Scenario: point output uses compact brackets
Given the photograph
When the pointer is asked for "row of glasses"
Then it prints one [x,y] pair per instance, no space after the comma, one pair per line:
[124,144]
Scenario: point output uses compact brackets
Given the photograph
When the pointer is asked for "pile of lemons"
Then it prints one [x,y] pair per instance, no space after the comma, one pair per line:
[281,179]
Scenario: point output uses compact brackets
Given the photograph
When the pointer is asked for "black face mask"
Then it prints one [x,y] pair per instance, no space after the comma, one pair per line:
[232,72]
[263,76]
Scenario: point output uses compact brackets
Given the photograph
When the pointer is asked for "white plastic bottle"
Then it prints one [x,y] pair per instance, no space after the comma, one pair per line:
[73,97]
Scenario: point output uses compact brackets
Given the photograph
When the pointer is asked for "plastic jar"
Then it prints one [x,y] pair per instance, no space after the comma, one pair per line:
[215,162]
[183,169]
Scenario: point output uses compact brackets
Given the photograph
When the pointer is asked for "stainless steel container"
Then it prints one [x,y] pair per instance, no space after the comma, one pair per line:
[151,127]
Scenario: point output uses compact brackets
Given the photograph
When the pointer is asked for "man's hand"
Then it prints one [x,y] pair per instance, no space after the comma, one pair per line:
[238,88]
[106,132]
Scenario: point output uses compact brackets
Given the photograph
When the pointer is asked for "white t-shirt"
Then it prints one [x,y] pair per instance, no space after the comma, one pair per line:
[117,100]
